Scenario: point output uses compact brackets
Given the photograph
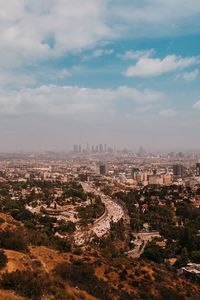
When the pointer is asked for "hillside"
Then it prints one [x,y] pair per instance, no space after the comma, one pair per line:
[42,272]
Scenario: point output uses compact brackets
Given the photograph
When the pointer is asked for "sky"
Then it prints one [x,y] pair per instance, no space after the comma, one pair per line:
[121,72]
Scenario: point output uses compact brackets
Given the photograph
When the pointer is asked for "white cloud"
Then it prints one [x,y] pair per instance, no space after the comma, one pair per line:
[69,100]
[196,105]
[41,29]
[188,76]
[61,74]
[131,55]
[143,109]
[142,97]
[102,52]
[156,17]
[31,29]
[168,113]
[171,9]
[147,67]
[17,80]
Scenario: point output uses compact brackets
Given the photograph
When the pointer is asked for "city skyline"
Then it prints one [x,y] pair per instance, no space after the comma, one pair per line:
[122,72]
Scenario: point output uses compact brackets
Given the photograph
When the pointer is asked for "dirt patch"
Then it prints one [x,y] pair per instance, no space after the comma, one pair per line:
[16,261]
[100,272]
[48,257]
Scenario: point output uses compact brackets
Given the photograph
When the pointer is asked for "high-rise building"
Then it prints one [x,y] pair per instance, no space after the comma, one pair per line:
[142,151]
[167,179]
[134,172]
[155,179]
[110,150]
[75,148]
[198,169]
[178,170]
[103,169]
[100,148]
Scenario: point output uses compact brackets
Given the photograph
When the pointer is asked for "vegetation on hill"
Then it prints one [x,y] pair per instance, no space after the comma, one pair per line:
[38,265]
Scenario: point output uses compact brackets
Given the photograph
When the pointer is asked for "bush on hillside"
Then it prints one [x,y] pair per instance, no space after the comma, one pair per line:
[3,259]
[26,283]
[13,240]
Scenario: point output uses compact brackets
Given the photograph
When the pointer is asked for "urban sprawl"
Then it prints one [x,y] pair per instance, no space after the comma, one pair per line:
[82,196]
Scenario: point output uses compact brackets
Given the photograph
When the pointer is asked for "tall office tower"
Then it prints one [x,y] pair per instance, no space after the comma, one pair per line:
[178,170]
[110,150]
[101,148]
[92,149]
[105,148]
[75,148]
[167,179]
[103,169]
[197,169]
[96,149]
[88,148]
[141,152]
[79,149]
[134,172]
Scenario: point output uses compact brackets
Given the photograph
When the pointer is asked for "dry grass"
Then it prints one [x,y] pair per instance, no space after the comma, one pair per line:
[7,295]
[48,257]
[16,261]
[9,223]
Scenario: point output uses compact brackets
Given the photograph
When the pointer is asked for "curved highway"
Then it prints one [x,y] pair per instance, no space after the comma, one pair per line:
[113,212]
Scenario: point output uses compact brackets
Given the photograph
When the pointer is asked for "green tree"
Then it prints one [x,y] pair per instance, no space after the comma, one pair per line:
[154,252]
[183,259]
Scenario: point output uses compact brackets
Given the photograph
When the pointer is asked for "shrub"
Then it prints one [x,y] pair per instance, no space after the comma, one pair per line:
[38,238]
[21,214]
[195,257]
[83,276]
[77,251]
[3,259]
[63,245]
[154,252]
[169,293]
[64,226]
[13,240]
[2,220]
[26,283]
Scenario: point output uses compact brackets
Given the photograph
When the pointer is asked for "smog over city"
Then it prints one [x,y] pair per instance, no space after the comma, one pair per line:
[118,72]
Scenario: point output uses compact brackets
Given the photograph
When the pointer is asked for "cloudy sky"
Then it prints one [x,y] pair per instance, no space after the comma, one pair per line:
[121,72]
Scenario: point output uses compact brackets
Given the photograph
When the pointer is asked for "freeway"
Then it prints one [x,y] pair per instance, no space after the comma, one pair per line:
[113,213]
